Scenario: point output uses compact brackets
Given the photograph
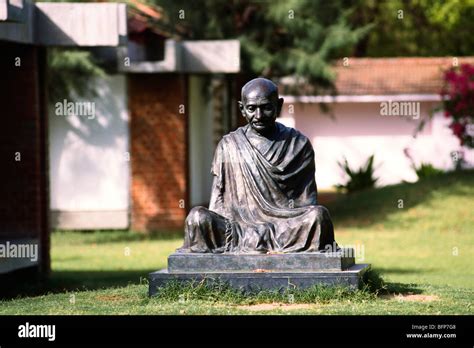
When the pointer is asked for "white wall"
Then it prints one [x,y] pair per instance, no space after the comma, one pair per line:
[201,145]
[357,130]
[89,170]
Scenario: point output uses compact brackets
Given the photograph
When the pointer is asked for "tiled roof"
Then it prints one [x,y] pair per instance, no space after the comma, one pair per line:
[143,17]
[383,76]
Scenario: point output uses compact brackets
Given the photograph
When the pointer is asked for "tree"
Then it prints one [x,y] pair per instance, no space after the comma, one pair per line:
[70,72]
[414,27]
[278,38]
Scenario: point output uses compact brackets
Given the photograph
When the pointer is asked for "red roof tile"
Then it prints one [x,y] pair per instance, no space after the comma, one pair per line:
[383,76]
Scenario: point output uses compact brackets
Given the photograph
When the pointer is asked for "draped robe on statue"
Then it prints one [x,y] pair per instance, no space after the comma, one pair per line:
[263,198]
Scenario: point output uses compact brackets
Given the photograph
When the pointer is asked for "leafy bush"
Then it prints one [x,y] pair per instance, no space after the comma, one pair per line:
[426,170]
[360,179]
[458,102]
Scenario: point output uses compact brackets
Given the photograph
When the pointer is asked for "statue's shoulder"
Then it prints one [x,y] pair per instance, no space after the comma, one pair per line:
[229,137]
[289,132]
[232,135]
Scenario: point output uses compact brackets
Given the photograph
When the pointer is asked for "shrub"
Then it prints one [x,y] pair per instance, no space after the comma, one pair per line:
[426,170]
[458,102]
[360,179]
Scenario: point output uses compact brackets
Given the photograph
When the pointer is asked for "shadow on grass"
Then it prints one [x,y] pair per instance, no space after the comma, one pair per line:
[26,283]
[403,289]
[365,208]
[393,270]
[92,280]
[114,236]
[374,283]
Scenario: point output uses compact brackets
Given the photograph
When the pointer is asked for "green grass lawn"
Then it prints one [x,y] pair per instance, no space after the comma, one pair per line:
[423,250]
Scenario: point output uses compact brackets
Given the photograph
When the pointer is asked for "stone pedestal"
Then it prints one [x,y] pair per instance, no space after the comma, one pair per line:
[263,271]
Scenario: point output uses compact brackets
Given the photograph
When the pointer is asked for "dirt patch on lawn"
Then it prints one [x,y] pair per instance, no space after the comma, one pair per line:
[417,298]
[411,297]
[109,298]
[275,305]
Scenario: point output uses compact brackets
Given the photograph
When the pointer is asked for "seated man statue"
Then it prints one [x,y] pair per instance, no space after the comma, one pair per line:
[264,192]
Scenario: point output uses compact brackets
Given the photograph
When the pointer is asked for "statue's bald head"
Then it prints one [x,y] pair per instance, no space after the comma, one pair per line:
[260,105]
[259,87]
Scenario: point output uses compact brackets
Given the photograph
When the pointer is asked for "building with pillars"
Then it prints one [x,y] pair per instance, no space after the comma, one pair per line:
[156,117]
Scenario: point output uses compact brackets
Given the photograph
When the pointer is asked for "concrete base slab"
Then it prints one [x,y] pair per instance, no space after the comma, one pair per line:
[269,280]
[288,262]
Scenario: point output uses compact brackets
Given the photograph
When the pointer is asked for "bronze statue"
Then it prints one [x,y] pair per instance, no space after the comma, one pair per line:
[264,195]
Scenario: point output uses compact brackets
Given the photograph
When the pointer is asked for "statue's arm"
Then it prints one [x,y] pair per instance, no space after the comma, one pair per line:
[310,194]
[216,202]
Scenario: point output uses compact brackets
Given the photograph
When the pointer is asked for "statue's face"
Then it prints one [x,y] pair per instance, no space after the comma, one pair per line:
[261,108]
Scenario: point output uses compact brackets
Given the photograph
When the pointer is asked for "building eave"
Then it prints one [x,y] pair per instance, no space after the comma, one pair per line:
[308,99]
[212,56]
[63,24]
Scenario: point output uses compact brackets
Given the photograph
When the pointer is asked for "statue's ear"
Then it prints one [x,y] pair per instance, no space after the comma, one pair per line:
[241,107]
